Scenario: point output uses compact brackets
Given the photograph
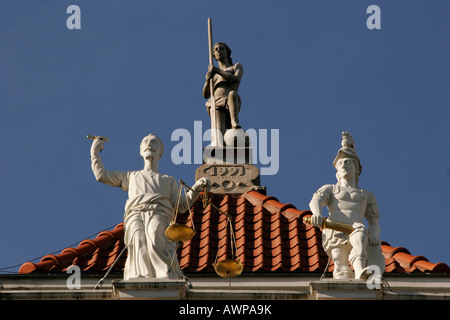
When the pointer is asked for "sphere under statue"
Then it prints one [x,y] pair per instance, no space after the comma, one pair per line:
[236,137]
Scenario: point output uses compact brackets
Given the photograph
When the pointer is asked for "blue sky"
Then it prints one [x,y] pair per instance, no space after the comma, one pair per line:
[312,69]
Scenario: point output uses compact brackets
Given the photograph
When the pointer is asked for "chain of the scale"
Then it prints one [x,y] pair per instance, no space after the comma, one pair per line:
[190,211]
[229,227]
[174,219]
[232,241]
[177,206]
[204,198]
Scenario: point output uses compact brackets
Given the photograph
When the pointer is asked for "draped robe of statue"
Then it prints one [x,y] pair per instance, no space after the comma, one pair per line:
[148,212]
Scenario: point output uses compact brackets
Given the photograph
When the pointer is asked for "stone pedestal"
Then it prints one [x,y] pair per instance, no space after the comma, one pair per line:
[227,155]
[151,289]
[332,289]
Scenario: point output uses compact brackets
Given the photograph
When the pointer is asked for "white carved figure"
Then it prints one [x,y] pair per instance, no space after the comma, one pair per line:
[148,210]
[348,204]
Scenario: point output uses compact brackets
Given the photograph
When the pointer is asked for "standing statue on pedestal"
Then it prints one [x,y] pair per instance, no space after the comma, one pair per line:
[148,210]
[226,79]
[348,204]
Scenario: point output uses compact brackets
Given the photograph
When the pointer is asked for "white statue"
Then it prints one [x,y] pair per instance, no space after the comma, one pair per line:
[148,210]
[348,204]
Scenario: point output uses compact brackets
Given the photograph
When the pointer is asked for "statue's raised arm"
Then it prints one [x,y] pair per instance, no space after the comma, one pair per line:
[151,201]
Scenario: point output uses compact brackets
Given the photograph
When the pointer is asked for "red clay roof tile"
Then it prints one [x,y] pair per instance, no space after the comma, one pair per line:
[270,237]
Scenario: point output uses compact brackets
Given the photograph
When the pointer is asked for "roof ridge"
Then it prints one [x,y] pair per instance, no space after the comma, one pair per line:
[51,261]
[272,204]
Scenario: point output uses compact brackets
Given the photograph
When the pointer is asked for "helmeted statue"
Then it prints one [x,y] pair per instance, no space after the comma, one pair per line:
[348,204]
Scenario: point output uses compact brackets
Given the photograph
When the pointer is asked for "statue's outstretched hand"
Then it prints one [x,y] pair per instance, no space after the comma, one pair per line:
[200,183]
[97,146]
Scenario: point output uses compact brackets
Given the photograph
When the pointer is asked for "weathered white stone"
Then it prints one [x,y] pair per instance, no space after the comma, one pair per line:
[348,204]
[148,211]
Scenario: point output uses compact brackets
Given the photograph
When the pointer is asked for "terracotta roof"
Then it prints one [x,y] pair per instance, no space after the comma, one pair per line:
[91,255]
[270,237]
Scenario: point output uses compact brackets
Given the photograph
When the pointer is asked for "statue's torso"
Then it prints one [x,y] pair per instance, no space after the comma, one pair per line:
[148,182]
[221,86]
[347,205]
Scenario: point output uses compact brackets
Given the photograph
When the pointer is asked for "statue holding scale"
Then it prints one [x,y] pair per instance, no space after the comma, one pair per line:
[151,201]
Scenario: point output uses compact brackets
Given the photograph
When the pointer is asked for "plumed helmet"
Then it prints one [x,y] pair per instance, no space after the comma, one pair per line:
[348,151]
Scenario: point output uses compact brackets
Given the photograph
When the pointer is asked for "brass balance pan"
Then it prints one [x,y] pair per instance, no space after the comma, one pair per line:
[179,232]
[228,268]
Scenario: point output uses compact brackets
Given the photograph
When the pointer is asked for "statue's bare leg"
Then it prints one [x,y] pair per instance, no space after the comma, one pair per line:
[233,107]
[342,270]
[358,254]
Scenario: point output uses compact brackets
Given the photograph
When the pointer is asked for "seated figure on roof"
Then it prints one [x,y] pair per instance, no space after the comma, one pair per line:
[148,210]
[348,204]
[226,79]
